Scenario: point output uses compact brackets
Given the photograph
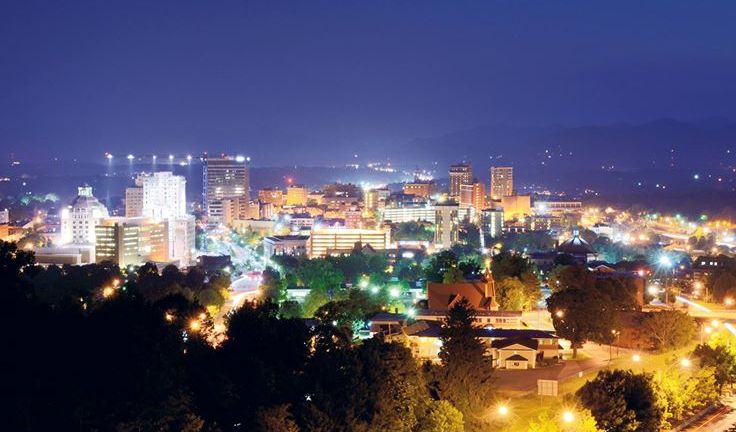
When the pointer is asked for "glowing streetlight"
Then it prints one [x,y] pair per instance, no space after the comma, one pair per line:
[568,416]
[131,157]
[503,410]
[728,301]
[195,325]
[169,317]
[107,292]
[653,291]
[636,358]
[715,323]
[685,362]
[559,314]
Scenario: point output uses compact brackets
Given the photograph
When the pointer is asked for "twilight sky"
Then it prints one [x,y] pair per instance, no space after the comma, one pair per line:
[311,81]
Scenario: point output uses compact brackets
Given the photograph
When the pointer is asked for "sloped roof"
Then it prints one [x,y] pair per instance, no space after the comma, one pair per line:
[443,295]
[575,246]
[525,342]
[517,357]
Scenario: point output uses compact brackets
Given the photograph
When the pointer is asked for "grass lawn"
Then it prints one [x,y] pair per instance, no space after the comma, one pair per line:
[526,407]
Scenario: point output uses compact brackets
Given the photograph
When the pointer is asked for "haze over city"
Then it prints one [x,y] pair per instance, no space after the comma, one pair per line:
[408,216]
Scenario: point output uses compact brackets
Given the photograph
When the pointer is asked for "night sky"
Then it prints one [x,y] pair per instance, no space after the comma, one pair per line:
[312,82]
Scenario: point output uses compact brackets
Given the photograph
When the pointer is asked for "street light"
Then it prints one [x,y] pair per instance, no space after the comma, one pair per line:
[568,416]
[685,362]
[195,325]
[636,358]
[715,323]
[503,410]
[559,314]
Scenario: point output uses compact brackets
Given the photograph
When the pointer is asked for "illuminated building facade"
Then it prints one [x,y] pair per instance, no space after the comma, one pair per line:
[271,196]
[473,195]
[225,178]
[502,182]
[409,214]
[423,189]
[516,206]
[131,241]
[79,219]
[492,222]
[460,174]
[447,220]
[323,242]
[297,195]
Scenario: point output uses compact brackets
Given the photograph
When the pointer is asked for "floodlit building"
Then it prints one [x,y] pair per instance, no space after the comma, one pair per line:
[409,214]
[473,195]
[297,195]
[285,245]
[132,241]
[225,178]
[329,241]
[516,206]
[4,217]
[502,182]
[271,196]
[162,196]
[557,208]
[79,219]
[423,189]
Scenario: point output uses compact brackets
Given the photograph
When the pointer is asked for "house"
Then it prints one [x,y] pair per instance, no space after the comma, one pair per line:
[484,318]
[509,348]
[481,294]
[515,353]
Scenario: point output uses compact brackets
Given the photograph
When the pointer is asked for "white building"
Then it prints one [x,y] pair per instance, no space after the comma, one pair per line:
[409,214]
[162,196]
[4,216]
[79,219]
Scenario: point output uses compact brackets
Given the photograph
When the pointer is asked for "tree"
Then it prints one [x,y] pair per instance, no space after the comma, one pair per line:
[570,276]
[465,375]
[273,286]
[452,275]
[720,356]
[584,422]
[438,264]
[511,295]
[441,417]
[669,329]
[413,230]
[509,264]
[724,285]
[277,418]
[579,316]
[622,401]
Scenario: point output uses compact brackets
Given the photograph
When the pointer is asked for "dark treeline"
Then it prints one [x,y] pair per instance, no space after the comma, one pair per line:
[116,351]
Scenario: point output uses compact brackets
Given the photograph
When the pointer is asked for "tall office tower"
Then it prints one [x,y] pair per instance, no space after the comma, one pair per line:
[460,174]
[225,178]
[79,219]
[297,195]
[162,196]
[473,195]
[502,182]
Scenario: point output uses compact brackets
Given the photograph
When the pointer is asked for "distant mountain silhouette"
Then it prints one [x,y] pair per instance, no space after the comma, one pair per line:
[659,144]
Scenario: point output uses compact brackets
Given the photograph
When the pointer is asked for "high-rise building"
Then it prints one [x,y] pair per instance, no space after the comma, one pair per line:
[79,219]
[297,195]
[4,216]
[460,174]
[225,178]
[131,241]
[502,182]
[159,195]
[375,199]
[162,196]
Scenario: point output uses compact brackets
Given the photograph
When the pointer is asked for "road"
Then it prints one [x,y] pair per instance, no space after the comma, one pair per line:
[721,420]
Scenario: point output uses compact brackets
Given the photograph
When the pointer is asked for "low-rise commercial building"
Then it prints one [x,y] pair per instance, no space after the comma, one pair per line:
[324,242]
